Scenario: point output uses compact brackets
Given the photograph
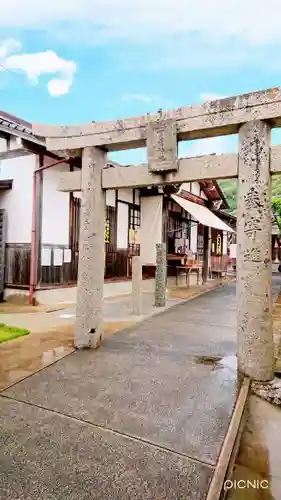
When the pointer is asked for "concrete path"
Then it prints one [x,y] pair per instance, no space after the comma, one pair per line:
[52,335]
[142,418]
[116,309]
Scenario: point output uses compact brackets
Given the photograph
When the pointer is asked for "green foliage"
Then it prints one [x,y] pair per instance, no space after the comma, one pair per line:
[11,332]
[276,208]
[229,189]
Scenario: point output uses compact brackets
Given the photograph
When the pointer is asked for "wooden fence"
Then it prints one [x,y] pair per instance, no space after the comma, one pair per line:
[219,263]
[59,265]
[17,264]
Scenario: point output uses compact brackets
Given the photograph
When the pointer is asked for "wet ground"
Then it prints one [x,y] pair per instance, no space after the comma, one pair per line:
[259,459]
[53,331]
[142,418]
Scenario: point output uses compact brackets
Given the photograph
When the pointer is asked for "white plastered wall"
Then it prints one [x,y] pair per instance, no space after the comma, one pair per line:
[122,225]
[18,201]
[55,206]
[151,231]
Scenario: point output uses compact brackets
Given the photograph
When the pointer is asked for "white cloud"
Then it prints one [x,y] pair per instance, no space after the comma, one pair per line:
[253,21]
[213,35]
[58,87]
[36,64]
[213,145]
[136,97]
[8,47]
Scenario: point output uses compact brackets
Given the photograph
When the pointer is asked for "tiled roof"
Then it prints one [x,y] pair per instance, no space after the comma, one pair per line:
[14,125]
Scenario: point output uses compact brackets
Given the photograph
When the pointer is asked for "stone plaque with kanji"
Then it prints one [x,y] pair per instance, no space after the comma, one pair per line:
[162,146]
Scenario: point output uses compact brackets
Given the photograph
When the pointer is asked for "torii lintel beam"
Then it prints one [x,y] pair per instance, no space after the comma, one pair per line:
[213,118]
[190,169]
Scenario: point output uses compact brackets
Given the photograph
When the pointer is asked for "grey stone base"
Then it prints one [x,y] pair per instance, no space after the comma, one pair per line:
[268,391]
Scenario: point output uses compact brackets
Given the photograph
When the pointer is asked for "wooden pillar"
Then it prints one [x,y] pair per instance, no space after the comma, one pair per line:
[89,314]
[254,266]
[39,212]
[165,226]
[207,253]
[137,285]
[160,277]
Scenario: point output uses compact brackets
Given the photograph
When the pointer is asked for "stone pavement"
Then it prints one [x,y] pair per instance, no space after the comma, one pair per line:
[116,309]
[142,418]
[52,335]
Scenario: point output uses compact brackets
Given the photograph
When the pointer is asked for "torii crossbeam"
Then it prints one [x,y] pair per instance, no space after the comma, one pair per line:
[251,116]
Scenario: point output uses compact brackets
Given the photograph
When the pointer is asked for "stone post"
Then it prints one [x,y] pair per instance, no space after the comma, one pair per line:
[207,254]
[137,285]
[89,309]
[161,275]
[254,267]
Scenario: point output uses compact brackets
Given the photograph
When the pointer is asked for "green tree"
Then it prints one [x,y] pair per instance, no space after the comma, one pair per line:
[229,189]
[276,208]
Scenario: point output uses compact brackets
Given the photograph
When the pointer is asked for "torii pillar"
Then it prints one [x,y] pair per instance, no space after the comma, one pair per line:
[254,267]
[89,308]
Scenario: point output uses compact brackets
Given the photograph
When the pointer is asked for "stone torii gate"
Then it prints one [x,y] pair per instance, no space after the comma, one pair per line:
[251,116]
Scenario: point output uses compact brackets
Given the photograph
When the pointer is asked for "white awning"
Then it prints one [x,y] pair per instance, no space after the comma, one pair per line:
[202,214]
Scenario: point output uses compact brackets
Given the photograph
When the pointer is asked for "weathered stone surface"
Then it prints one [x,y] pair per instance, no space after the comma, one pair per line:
[201,120]
[91,251]
[137,285]
[269,391]
[48,456]
[161,275]
[254,271]
[206,167]
[162,148]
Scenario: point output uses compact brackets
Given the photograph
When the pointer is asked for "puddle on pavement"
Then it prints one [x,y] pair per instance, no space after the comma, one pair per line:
[218,361]
[224,367]
[207,360]
[22,357]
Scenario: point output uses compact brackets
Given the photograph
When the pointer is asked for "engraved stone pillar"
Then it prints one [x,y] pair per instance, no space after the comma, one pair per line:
[137,285]
[89,312]
[161,275]
[254,267]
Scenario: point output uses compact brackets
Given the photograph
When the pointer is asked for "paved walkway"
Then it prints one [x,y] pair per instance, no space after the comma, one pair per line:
[52,334]
[142,418]
[116,309]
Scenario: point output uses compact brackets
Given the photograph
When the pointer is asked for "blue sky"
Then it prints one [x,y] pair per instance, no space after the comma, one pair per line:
[77,61]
